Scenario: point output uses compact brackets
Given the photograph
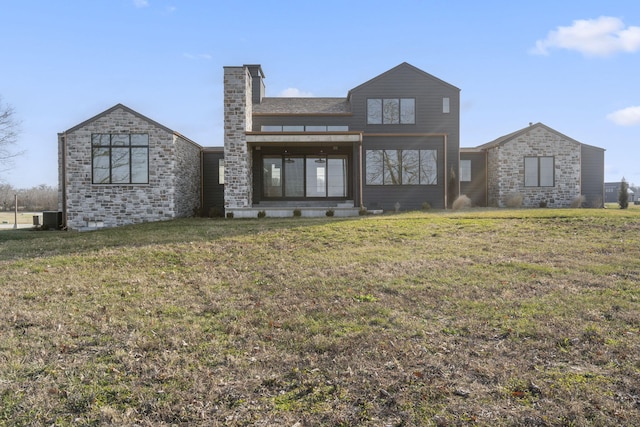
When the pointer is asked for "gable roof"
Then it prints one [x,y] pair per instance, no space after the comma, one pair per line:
[394,69]
[132,112]
[506,138]
[302,106]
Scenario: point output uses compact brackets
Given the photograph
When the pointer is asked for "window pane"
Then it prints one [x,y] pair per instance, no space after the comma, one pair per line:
[337,177]
[410,167]
[271,173]
[270,128]
[390,111]
[408,111]
[374,111]
[100,165]
[445,105]
[139,165]
[428,167]
[293,128]
[316,128]
[374,167]
[293,175]
[103,139]
[530,171]
[392,167]
[120,140]
[120,165]
[546,171]
[316,176]
[337,128]
[140,139]
[465,170]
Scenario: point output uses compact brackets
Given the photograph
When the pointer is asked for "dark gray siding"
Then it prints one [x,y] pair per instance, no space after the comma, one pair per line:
[406,81]
[476,189]
[592,176]
[212,190]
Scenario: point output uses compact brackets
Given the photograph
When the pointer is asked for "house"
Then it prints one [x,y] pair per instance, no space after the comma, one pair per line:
[387,144]
[391,143]
[538,164]
[121,167]
[612,193]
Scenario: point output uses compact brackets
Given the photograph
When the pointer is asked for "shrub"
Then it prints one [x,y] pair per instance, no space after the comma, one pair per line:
[514,200]
[578,201]
[262,214]
[462,202]
[230,215]
[330,212]
[297,212]
[542,203]
[623,195]
[426,206]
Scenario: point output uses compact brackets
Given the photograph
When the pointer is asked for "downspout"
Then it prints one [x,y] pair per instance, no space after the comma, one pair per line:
[360,178]
[446,174]
[64,181]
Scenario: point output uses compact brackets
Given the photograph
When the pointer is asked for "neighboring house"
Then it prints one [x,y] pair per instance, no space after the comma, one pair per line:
[392,143]
[537,163]
[612,193]
[121,167]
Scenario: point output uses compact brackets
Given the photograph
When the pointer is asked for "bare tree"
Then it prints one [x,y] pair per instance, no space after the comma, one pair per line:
[9,129]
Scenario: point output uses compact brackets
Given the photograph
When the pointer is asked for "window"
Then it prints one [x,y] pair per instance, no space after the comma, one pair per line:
[401,167]
[120,158]
[465,170]
[391,111]
[445,105]
[299,176]
[539,171]
[220,171]
[301,128]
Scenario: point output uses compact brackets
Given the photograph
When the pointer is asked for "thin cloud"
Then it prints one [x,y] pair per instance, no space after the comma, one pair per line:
[140,3]
[292,92]
[629,116]
[602,37]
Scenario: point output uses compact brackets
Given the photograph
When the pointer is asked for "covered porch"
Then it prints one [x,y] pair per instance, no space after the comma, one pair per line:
[309,172]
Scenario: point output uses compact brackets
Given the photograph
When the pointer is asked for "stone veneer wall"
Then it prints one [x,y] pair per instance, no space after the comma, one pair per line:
[505,166]
[237,120]
[187,177]
[164,197]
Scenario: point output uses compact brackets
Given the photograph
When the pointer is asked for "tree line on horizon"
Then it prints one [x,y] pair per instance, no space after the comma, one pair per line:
[39,198]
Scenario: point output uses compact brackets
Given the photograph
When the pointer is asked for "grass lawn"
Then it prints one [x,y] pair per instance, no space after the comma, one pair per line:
[492,317]
[23,217]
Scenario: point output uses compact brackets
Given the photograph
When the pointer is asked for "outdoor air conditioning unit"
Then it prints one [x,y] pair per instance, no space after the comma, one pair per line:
[52,220]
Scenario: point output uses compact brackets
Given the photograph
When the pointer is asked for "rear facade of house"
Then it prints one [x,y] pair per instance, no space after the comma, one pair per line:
[391,143]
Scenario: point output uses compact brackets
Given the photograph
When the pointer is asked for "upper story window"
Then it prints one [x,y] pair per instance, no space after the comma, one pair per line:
[120,158]
[391,111]
[539,171]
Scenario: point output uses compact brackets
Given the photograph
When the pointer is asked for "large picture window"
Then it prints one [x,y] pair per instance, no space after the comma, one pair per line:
[120,158]
[391,111]
[317,176]
[401,167]
[539,171]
